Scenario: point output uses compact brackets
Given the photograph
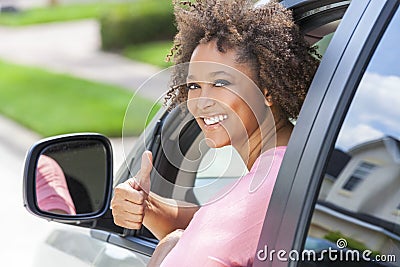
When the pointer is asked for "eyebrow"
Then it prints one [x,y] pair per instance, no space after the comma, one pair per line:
[212,74]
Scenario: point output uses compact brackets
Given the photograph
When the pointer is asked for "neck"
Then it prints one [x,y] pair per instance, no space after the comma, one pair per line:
[264,138]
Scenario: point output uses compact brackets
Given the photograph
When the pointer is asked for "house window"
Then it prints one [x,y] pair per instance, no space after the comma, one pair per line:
[362,171]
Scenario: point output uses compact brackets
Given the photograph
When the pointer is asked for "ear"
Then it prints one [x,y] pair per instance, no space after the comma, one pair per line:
[268,98]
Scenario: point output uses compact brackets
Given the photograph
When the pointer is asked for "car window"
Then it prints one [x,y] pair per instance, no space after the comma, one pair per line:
[358,207]
[218,168]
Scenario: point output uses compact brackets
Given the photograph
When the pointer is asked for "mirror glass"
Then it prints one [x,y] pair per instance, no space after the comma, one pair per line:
[71,177]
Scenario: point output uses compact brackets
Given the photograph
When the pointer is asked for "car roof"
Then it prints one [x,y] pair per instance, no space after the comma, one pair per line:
[316,18]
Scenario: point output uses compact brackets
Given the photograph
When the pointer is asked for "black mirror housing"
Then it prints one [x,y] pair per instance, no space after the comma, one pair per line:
[84,161]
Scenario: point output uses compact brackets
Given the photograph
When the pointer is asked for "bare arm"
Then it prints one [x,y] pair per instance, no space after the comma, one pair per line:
[163,215]
[133,205]
[164,247]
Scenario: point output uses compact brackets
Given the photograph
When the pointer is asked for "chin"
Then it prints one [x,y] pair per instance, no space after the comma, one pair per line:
[215,143]
[211,144]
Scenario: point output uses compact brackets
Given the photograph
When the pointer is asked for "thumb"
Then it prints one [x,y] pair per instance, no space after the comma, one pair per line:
[145,170]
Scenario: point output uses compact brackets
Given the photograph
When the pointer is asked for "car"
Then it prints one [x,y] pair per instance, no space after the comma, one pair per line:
[7,7]
[339,180]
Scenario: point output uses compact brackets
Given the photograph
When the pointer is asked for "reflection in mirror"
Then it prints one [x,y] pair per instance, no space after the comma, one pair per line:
[71,178]
[51,187]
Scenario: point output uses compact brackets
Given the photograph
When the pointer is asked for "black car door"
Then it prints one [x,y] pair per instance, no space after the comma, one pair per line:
[338,186]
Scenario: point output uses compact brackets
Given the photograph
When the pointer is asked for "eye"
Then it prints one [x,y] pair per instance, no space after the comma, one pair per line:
[221,83]
[192,86]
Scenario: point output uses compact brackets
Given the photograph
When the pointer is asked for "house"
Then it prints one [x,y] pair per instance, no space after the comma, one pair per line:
[360,196]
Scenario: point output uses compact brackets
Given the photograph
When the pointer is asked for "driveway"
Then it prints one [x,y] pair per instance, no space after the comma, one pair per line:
[74,48]
[71,48]
[22,232]
[22,4]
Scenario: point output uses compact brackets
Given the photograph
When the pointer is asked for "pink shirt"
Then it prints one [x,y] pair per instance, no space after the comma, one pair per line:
[226,231]
[51,187]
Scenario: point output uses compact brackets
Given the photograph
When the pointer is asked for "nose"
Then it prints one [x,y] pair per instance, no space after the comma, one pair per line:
[205,101]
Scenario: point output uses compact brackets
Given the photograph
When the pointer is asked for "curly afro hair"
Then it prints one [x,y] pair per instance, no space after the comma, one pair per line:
[265,37]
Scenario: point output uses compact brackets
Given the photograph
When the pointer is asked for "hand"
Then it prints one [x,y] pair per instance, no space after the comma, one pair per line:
[129,201]
[164,247]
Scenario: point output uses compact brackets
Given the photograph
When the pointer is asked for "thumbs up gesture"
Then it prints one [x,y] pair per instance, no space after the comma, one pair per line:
[129,201]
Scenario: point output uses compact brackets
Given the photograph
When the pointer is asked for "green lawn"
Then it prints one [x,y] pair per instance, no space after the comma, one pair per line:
[52,104]
[58,13]
[152,53]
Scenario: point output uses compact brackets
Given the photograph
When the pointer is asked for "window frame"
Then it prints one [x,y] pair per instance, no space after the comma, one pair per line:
[291,207]
[360,173]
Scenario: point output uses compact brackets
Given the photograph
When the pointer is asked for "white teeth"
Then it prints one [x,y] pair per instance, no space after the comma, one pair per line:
[215,119]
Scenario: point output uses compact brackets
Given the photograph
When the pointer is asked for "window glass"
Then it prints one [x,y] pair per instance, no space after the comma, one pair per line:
[357,209]
[218,168]
[224,162]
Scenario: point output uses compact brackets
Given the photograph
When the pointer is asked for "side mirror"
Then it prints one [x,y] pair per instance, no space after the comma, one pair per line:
[69,177]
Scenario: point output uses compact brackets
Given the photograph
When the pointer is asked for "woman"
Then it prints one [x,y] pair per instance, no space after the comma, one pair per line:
[248,73]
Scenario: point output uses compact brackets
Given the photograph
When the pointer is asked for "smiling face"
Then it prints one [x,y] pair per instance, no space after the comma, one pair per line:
[223,98]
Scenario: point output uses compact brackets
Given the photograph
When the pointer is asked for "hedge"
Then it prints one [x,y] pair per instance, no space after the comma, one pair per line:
[142,21]
[351,242]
